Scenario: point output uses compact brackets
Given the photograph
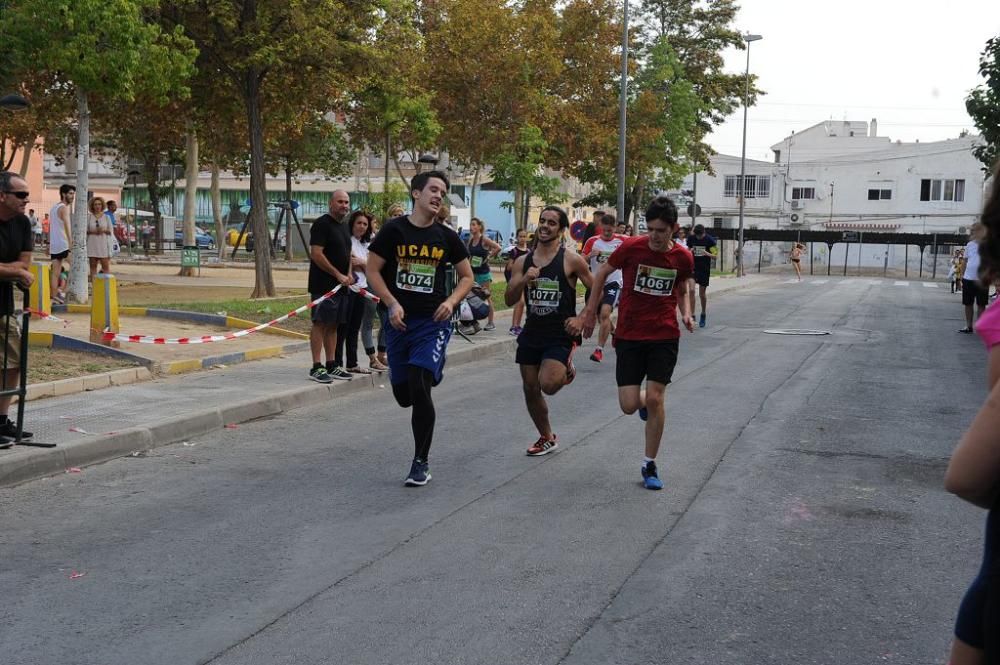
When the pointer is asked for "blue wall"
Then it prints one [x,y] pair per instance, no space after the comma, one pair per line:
[496,217]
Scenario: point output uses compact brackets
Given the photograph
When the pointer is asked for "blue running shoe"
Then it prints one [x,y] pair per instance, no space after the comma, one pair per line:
[650,480]
[643,413]
[419,474]
[701,320]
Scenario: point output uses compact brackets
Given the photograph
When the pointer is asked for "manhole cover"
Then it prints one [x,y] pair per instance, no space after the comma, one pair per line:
[795,331]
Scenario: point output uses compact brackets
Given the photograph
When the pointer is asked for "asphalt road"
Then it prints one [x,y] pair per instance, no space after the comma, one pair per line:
[803,520]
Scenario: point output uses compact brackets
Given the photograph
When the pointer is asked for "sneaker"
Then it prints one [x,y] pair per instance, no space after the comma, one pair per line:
[340,374]
[650,479]
[701,320]
[320,375]
[643,413]
[6,442]
[9,429]
[515,330]
[490,326]
[468,329]
[967,331]
[542,447]
[598,355]
[419,474]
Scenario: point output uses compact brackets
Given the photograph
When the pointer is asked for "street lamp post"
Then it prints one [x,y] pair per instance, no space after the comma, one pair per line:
[743,156]
[622,105]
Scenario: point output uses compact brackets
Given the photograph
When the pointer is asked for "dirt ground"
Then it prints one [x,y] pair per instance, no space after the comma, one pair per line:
[54,364]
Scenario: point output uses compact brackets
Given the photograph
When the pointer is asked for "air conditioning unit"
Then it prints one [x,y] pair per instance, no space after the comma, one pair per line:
[962,230]
[796,204]
[795,218]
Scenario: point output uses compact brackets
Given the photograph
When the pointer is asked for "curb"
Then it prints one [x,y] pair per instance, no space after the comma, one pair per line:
[22,465]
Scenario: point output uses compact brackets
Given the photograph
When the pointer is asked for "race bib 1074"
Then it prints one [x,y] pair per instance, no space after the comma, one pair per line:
[655,281]
[415,277]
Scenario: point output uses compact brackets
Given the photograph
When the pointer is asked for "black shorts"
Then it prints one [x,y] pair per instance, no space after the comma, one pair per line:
[610,296]
[62,255]
[973,291]
[334,310]
[701,276]
[533,351]
[638,360]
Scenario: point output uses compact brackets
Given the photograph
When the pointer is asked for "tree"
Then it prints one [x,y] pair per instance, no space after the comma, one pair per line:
[309,45]
[520,169]
[983,104]
[106,48]
[391,108]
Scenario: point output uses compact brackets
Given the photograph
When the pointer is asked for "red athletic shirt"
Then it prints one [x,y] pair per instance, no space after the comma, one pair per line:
[647,310]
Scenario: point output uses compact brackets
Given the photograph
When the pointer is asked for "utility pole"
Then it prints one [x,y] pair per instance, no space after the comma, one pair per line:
[622,99]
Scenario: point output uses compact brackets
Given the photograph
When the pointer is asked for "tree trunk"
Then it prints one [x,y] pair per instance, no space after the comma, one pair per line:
[637,194]
[153,187]
[79,269]
[288,213]
[220,228]
[263,279]
[399,170]
[26,159]
[190,196]
[472,199]
[518,206]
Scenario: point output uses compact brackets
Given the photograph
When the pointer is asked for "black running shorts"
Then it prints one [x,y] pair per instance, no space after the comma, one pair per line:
[534,351]
[973,291]
[610,295]
[653,361]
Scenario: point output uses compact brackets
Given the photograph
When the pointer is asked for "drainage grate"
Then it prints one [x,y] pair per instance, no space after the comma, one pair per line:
[796,331]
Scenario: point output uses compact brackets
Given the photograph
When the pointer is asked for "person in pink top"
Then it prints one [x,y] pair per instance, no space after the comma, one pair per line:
[974,471]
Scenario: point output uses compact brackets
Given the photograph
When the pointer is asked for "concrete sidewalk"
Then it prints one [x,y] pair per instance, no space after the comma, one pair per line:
[93,427]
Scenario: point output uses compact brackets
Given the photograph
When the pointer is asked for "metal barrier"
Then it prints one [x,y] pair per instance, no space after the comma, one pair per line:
[16,321]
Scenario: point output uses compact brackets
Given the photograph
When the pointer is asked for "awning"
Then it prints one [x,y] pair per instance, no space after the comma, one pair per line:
[861,226]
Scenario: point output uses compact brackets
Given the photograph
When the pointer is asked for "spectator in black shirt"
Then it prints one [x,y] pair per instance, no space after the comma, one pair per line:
[330,265]
[16,243]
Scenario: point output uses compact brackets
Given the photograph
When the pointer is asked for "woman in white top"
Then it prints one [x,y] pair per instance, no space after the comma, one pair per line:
[362,309]
[98,237]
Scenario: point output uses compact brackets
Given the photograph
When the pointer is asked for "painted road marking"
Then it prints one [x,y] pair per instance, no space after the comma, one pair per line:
[930,285]
[901,284]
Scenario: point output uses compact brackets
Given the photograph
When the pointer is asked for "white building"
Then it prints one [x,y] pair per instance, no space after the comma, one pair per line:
[840,175]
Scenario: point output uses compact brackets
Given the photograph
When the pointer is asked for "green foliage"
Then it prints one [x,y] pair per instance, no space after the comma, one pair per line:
[105,47]
[379,203]
[520,168]
[983,104]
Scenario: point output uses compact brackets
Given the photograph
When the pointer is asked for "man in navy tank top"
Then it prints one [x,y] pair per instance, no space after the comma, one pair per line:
[546,278]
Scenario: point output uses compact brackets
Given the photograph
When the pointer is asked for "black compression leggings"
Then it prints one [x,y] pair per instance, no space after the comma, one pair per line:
[416,392]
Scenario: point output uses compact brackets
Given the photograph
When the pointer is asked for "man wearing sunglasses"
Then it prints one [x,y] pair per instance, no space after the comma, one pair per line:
[16,243]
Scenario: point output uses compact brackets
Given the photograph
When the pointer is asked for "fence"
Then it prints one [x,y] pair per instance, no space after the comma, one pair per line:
[836,252]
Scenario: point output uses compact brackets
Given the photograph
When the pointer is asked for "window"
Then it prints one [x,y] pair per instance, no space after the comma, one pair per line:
[757,186]
[803,193]
[879,194]
[942,190]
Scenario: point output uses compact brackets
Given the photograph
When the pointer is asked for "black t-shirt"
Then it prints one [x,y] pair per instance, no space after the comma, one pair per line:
[335,239]
[700,249]
[415,260]
[15,238]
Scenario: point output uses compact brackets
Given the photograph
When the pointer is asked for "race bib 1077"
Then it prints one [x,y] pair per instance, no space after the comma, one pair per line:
[543,294]
[655,281]
[415,277]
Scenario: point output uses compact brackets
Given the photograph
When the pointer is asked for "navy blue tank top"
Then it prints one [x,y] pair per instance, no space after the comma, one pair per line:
[479,257]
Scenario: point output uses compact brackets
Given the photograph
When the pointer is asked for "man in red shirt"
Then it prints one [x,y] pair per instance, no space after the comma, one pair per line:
[655,270]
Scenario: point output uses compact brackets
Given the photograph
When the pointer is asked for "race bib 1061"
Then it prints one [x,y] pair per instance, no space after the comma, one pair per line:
[415,277]
[655,281]
[543,294]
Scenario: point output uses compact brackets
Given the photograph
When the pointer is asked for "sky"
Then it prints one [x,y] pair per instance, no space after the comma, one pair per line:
[908,64]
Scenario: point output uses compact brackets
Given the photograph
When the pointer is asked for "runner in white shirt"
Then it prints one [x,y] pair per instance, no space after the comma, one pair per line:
[597,250]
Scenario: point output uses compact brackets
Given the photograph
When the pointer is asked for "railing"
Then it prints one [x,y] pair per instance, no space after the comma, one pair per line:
[17,321]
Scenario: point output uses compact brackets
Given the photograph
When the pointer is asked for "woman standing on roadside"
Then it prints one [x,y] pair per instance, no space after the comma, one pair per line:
[362,308]
[481,250]
[974,471]
[98,237]
[513,253]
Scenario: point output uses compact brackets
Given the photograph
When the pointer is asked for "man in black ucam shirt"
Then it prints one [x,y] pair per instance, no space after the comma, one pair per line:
[15,263]
[330,265]
[406,269]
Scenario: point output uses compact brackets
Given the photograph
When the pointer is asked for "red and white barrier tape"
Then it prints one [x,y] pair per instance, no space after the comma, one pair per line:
[205,339]
[41,315]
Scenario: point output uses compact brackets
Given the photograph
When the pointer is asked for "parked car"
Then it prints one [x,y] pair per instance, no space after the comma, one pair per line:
[204,240]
